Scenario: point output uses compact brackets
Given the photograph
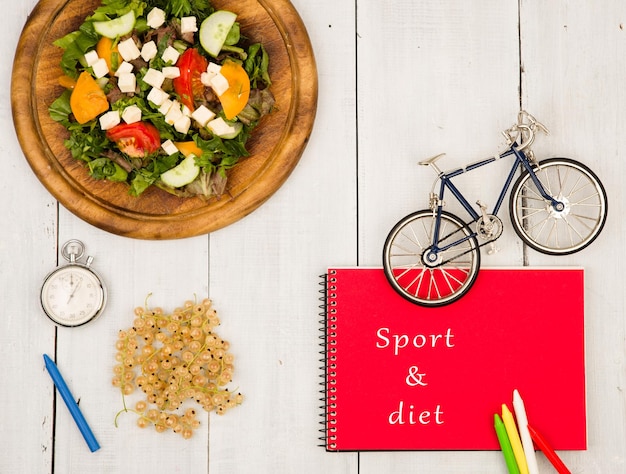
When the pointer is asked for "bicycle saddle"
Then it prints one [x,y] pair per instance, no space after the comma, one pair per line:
[431,160]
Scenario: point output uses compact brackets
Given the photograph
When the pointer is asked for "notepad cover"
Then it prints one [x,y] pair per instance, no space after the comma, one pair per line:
[398,376]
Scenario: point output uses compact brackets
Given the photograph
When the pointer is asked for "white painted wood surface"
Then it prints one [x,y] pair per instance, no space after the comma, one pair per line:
[399,81]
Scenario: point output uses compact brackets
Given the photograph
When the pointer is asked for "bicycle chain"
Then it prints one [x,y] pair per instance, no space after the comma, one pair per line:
[467,251]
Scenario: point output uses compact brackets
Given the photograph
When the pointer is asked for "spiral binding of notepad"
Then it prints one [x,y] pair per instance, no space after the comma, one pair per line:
[329,362]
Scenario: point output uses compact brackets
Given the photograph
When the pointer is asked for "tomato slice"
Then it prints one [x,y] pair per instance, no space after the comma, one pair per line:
[137,139]
[189,85]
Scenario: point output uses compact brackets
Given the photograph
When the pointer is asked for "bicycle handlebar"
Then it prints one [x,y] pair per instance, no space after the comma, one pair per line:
[525,129]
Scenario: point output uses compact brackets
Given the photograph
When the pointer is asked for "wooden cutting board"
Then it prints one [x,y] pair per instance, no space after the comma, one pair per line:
[275,147]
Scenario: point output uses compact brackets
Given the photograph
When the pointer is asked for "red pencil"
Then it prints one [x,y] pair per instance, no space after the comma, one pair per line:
[541,442]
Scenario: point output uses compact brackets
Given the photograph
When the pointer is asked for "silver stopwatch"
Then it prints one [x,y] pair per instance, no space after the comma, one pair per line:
[73,294]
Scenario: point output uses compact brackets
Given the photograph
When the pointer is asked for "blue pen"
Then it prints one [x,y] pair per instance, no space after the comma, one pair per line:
[71,404]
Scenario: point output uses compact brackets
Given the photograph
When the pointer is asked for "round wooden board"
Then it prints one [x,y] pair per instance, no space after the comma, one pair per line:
[275,146]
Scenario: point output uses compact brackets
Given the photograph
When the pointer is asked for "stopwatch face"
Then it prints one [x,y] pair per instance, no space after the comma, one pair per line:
[72,295]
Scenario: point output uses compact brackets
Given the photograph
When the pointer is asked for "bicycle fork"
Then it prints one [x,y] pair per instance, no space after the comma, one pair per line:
[557,205]
[433,256]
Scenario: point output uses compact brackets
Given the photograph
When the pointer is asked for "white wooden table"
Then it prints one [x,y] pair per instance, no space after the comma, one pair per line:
[398,81]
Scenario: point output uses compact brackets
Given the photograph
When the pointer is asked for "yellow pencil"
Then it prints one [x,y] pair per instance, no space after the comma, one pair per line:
[516,443]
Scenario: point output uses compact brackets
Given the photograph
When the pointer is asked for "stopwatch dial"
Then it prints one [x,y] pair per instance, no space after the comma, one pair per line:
[72,295]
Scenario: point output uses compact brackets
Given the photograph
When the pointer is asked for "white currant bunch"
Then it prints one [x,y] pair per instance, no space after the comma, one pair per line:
[173,358]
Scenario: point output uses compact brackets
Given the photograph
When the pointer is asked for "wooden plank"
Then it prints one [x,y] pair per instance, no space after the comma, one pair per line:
[264,278]
[28,253]
[433,77]
[574,69]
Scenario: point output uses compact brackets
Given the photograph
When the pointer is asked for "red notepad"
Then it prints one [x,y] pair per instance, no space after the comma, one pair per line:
[402,377]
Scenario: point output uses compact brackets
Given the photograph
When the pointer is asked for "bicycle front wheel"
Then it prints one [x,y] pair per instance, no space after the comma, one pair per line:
[563,229]
[422,276]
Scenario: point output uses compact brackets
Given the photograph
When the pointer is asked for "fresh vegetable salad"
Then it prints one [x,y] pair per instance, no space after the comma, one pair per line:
[163,93]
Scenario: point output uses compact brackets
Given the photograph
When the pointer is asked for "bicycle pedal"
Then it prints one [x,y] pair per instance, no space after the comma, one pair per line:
[492,249]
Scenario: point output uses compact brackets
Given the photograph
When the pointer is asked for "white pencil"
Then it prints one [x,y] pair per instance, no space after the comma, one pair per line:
[522,426]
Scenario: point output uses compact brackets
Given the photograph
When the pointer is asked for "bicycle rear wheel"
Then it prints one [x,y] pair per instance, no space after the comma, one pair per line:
[425,278]
[556,231]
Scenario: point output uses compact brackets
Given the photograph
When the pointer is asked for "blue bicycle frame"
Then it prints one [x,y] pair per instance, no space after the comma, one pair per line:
[446,182]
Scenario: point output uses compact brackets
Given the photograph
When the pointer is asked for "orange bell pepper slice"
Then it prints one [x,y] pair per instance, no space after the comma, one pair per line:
[87,100]
[67,81]
[235,98]
[188,148]
[106,48]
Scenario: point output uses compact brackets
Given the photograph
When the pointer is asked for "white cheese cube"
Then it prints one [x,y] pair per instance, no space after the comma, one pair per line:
[182,124]
[188,24]
[109,120]
[131,114]
[219,84]
[205,78]
[219,127]
[154,77]
[124,68]
[155,18]
[202,115]
[174,113]
[148,50]
[91,57]
[185,110]
[128,49]
[165,106]
[157,96]
[169,147]
[170,55]
[127,82]
[213,68]
[211,71]
[100,68]
[170,72]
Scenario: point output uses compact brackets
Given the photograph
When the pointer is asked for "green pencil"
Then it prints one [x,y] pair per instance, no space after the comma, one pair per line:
[505,444]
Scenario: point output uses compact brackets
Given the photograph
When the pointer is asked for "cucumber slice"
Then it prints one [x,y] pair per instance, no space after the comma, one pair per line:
[116,27]
[183,173]
[236,127]
[214,31]
[224,129]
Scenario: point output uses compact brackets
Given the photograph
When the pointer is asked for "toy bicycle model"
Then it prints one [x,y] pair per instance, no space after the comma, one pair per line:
[557,206]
